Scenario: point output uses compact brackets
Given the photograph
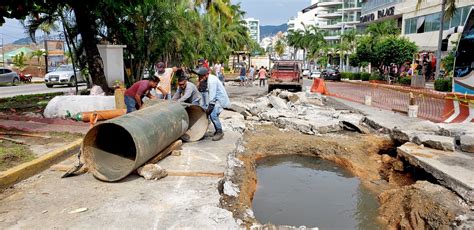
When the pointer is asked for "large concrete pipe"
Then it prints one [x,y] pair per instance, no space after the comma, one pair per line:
[198,120]
[115,148]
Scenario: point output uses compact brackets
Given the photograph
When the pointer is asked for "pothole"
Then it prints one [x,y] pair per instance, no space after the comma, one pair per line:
[303,190]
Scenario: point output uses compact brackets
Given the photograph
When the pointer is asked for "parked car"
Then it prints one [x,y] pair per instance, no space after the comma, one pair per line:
[331,74]
[306,73]
[63,75]
[9,76]
[314,74]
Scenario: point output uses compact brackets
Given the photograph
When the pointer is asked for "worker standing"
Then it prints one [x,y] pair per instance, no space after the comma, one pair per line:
[165,75]
[218,100]
[187,92]
[133,95]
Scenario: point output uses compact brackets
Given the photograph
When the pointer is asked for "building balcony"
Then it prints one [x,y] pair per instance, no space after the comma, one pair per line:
[351,9]
[331,27]
[329,15]
[351,22]
[328,3]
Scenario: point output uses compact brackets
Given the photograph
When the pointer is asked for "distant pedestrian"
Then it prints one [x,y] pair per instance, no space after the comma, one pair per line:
[262,75]
[134,95]
[243,74]
[165,75]
[251,75]
[187,92]
[218,100]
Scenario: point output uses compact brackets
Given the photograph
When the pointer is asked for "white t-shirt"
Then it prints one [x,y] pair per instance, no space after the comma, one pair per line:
[165,80]
[217,69]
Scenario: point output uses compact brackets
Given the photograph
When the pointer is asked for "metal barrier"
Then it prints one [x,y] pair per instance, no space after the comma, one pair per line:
[430,103]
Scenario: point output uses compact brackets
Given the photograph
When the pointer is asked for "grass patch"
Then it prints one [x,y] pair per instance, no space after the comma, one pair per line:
[27,102]
[65,136]
[12,154]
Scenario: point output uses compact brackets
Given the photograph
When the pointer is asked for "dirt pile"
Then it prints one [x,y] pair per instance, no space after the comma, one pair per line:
[421,206]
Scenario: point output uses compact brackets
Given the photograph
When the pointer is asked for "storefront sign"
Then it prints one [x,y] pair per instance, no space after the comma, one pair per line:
[386,12]
[380,14]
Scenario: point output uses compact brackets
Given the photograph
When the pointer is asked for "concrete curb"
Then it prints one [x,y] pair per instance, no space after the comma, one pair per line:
[28,169]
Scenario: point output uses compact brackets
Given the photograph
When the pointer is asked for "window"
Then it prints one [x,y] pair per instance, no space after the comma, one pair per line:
[7,71]
[465,12]
[456,20]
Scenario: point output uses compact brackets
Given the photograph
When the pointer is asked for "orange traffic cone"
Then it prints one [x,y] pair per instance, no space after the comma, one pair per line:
[319,86]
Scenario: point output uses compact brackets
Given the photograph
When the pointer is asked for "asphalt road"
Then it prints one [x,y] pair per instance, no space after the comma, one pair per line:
[28,89]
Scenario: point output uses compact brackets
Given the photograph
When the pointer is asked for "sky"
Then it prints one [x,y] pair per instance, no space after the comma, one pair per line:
[272,12]
[11,31]
[269,12]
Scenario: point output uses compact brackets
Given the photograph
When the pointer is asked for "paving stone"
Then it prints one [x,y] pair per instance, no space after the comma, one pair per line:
[467,143]
[277,103]
[435,142]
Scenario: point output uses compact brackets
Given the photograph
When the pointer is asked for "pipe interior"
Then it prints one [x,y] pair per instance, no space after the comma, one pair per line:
[114,151]
[198,123]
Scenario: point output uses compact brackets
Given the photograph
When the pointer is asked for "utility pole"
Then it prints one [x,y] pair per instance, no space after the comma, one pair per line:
[440,39]
[3,52]
[341,58]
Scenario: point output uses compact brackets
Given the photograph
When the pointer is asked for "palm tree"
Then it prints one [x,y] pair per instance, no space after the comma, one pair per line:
[349,43]
[294,39]
[280,47]
[448,8]
[38,53]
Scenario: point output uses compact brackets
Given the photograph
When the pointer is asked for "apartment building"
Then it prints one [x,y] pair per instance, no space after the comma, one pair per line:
[254,28]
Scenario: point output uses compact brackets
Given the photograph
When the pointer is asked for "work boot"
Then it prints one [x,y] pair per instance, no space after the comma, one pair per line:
[219,135]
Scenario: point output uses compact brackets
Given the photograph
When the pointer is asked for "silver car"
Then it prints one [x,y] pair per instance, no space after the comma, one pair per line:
[9,76]
[63,75]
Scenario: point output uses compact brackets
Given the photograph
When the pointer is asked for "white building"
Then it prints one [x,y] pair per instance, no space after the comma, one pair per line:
[418,25]
[305,17]
[254,28]
[335,16]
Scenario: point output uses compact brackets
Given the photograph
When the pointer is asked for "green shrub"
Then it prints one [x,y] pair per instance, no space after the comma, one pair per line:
[405,81]
[347,75]
[375,77]
[365,76]
[443,84]
[357,76]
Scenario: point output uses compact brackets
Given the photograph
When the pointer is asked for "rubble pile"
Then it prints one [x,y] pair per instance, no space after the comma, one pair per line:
[300,111]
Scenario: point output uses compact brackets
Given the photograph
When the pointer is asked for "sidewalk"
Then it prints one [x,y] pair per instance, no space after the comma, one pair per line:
[174,202]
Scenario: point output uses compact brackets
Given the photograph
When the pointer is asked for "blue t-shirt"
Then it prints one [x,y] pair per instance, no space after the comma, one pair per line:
[243,70]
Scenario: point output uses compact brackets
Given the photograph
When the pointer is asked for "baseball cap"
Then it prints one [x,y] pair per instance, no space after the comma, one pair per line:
[160,67]
[201,71]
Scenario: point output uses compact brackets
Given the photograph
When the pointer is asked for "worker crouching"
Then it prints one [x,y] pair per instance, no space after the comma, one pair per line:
[218,99]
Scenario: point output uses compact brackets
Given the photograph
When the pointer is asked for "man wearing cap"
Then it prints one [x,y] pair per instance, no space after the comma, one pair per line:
[187,92]
[133,95]
[164,74]
[218,99]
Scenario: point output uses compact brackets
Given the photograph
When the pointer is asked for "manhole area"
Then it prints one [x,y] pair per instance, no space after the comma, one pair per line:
[302,190]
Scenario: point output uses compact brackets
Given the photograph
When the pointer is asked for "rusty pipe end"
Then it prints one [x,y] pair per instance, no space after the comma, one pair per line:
[110,152]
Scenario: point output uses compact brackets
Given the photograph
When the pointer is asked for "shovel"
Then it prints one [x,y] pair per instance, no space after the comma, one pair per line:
[76,168]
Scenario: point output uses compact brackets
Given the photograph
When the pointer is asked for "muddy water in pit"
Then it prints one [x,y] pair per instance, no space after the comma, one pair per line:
[302,190]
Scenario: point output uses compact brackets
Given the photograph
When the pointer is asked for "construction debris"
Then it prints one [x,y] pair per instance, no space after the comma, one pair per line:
[152,172]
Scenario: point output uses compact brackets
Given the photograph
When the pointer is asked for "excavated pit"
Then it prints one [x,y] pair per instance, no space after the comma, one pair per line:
[369,159]
[302,190]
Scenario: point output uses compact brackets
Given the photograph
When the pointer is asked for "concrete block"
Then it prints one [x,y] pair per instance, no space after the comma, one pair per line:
[467,143]
[451,169]
[60,105]
[277,102]
[435,142]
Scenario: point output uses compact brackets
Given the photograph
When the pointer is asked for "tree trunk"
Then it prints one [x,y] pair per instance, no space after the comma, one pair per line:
[86,27]
[440,39]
